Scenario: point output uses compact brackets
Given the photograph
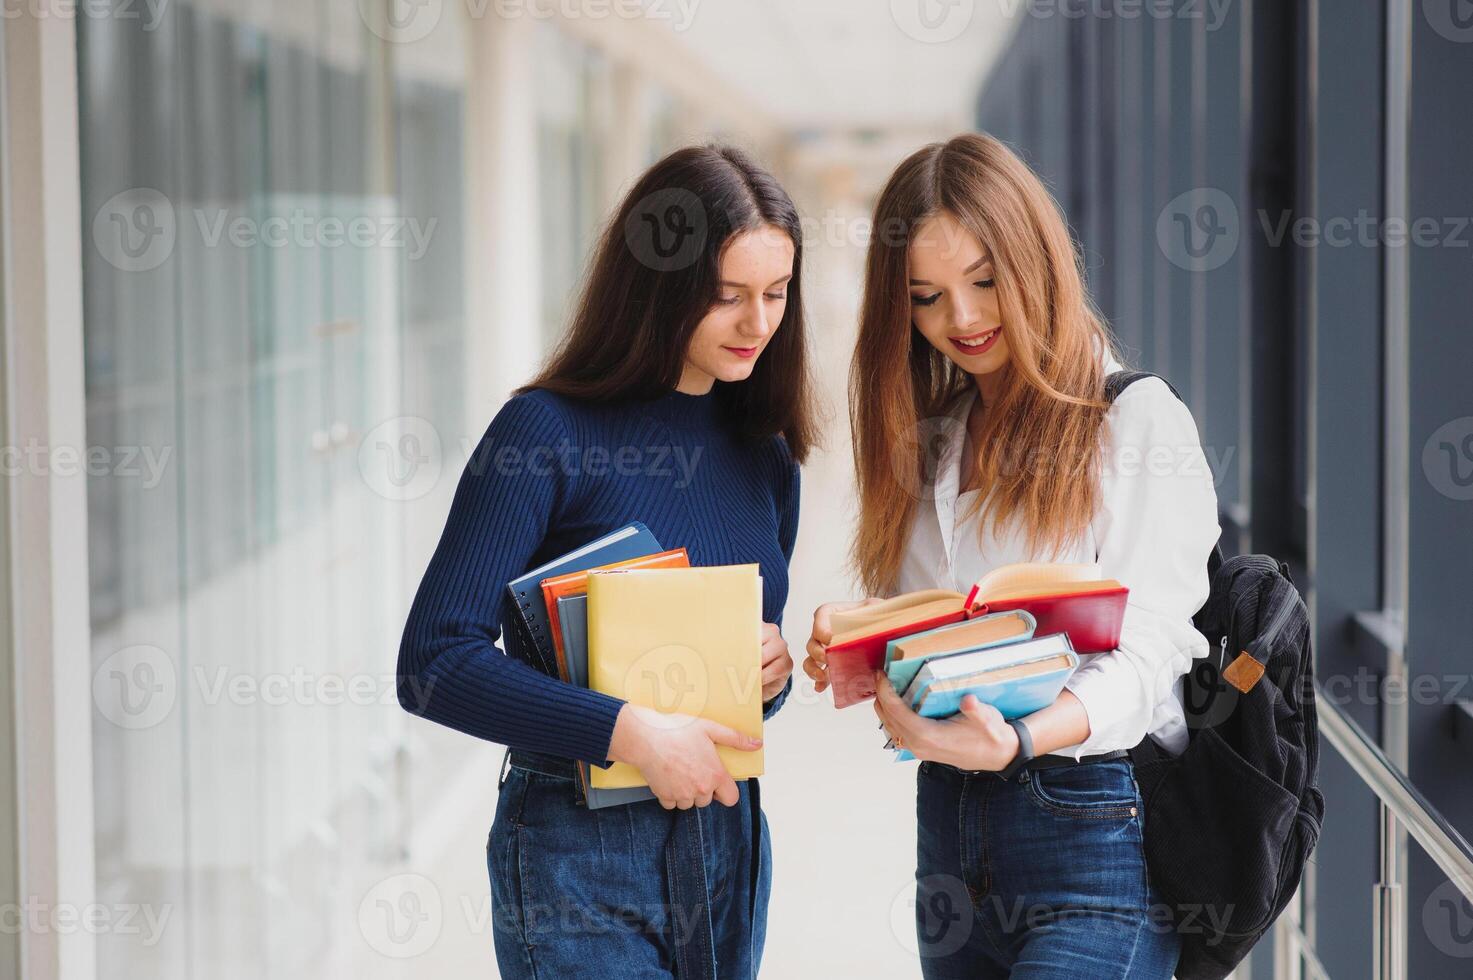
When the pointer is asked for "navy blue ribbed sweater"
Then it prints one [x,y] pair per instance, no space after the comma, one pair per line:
[551,474]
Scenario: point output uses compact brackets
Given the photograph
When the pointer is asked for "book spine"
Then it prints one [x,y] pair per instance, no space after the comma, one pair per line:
[534,634]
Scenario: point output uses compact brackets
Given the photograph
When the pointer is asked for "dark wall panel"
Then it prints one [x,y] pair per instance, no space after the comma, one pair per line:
[1226,178]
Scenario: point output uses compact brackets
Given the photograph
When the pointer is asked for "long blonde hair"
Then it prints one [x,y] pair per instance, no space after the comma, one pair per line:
[1051,405]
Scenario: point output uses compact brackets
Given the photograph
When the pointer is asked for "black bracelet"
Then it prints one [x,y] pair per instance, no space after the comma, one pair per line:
[1025,750]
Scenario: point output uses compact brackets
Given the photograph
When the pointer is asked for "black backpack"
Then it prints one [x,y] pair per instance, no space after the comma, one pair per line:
[1230,823]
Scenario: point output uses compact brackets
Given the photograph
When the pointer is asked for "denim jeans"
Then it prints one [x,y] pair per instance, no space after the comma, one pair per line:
[579,892]
[1040,877]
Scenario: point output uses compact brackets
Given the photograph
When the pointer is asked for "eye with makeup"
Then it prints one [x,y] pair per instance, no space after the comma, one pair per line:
[933,297]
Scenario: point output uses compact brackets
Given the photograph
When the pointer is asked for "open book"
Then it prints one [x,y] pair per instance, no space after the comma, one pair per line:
[1061,597]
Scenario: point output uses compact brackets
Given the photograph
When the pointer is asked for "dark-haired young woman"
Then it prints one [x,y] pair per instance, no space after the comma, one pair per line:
[679,398]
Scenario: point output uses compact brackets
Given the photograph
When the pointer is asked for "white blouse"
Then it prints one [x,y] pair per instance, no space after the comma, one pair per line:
[1155,527]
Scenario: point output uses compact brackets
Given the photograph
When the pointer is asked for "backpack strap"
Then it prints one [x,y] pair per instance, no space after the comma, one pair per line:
[1120,380]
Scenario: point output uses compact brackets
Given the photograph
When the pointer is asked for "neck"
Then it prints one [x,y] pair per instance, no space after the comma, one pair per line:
[990,385]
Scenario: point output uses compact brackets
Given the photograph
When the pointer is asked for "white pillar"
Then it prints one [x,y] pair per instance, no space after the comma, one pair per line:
[48,554]
[503,278]
[629,135]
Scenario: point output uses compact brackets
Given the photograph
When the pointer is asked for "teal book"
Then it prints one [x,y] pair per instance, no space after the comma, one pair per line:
[572,614]
[1031,679]
[904,656]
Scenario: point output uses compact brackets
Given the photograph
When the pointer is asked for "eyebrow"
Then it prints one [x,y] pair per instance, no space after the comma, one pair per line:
[966,272]
[742,285]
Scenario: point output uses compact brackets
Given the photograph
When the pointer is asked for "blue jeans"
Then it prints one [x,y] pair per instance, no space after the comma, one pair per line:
[579,892]
[1040,877]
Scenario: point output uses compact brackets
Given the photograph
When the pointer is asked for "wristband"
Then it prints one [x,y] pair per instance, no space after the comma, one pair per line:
[1025,750]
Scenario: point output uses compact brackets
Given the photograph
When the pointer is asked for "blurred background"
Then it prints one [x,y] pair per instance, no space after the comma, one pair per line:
[270,267]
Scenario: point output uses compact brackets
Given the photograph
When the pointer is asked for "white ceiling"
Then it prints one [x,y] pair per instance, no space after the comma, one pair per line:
[827,64]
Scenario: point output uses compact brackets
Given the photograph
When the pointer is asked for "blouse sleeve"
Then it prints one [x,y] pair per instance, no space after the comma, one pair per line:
[450,670]
[1154,531]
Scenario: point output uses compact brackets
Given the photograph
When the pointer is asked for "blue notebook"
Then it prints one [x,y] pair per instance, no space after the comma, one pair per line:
[1030,678]
[572,614]
[633,540]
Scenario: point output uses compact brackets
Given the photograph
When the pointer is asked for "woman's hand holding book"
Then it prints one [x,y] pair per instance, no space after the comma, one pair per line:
[815,665]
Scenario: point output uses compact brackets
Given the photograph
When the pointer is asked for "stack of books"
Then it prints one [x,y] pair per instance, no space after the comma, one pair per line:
[623,616]
[1012,642]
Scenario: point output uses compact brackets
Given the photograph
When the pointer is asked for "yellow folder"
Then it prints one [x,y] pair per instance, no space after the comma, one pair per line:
[683,640]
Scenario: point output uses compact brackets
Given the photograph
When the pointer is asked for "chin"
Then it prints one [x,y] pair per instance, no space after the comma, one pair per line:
[995,360]
[982,370]
[728,367]
[737,372]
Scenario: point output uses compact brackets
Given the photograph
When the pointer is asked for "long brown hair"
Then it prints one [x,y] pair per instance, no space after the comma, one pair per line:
[655,274]
[1038,449]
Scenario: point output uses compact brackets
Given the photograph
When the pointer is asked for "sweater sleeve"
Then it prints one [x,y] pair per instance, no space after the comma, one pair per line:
[787,537]
[1154,531]
[449,670]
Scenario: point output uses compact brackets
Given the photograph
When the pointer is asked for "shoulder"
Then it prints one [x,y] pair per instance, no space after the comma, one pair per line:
[781,469]
[541,403]
[543,411]
[1147,411]
[780,456]
[776,448]
[528,421]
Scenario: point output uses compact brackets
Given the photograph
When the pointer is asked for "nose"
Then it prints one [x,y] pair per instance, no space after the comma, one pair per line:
[756,323]
[965,311]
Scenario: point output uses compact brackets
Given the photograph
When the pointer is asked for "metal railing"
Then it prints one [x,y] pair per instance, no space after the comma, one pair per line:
[1402,808]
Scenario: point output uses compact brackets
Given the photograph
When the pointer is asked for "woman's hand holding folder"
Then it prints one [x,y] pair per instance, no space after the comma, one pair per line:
[676,754]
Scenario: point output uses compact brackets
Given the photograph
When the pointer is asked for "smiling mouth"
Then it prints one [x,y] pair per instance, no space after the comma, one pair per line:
[976,343]
[741,351]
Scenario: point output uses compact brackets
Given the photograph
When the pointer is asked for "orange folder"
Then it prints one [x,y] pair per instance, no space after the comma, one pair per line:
[576,583]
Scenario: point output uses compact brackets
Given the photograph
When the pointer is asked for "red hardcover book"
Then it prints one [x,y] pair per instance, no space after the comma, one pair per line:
[1063,598]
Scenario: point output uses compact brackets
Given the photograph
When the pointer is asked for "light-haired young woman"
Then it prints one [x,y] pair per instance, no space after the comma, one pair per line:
[982,433]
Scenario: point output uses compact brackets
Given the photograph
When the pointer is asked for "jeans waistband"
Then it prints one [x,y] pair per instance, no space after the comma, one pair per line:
[1054,761]
[547,765]
[1045,762]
